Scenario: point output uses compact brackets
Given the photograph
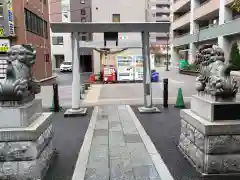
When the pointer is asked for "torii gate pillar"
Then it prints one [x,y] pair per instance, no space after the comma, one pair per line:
[76,109]
[148,105]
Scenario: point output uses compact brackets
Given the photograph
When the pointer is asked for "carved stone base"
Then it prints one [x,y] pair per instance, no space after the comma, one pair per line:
[212,147]
[20,116]
[28,170]
[26,152]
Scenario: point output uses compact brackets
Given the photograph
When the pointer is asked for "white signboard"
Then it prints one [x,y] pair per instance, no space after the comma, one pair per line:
[138,68]
[125,67]
[4,45]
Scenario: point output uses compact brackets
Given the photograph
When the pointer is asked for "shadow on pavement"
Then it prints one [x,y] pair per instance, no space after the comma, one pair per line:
[68,139]
[164,131]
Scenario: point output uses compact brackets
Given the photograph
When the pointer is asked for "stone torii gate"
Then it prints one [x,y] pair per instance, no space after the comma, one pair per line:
[92,27]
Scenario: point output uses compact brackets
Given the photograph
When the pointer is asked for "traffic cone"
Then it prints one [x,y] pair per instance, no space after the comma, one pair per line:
[180,101]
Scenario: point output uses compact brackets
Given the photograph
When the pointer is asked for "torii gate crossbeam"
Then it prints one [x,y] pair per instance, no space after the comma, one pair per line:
[101,27]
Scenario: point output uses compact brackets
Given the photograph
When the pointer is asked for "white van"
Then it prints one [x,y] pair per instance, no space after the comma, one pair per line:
[66,66]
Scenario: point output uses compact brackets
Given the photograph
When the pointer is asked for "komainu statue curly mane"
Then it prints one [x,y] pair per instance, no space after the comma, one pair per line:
[214,78]
[19,86]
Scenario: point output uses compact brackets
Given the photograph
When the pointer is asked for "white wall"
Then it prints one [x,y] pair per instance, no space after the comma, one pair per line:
[65,49]
[129,10]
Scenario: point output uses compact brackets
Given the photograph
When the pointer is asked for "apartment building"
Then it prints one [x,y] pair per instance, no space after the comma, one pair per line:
[60,42]
[196,22]
[118,11]
[81,12]
[70,11]
[159,11]
[26,22]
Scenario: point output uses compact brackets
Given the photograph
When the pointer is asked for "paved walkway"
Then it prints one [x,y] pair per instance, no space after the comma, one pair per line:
[116,147]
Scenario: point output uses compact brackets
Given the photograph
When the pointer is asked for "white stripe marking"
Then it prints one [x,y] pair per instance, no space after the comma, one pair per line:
[81,164]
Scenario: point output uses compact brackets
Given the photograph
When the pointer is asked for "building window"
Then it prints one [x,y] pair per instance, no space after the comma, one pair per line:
[35,24]
[34,21]
[83,38]
[83,12]
[57,40]
[1,10]
[65,15]
[65,7]
[116,18]
[27,20]
[83,19]
[45,29]
[41,27]
[159,14]
[46,57]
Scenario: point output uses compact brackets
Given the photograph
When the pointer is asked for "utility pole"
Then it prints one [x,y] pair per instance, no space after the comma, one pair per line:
[167,52]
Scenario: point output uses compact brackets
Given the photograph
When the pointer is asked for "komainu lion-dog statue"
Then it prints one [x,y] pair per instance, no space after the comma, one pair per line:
[214,78]
[19,86]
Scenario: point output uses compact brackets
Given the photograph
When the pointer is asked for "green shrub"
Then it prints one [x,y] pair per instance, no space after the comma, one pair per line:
[235,57]
[192,67]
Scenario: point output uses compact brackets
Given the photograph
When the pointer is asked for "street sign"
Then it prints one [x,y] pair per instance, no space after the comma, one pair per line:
[4,45]
[1,32]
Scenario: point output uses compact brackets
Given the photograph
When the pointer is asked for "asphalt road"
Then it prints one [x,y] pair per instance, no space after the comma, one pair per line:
[164,131]
[68,138]
[65,79]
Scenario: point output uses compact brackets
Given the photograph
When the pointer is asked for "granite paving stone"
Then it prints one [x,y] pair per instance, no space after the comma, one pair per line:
[97,174]
[102,117]
[121,170]
[102,124]
[128,127]
[98,141]
[117,151]
[115,126]
[116,138]
[132,138]
[98,157]
[100,132]
[146,173]
[139,154]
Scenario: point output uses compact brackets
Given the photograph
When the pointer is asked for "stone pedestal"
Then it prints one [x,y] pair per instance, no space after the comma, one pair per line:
[25,142]
[210,136]
[17,116]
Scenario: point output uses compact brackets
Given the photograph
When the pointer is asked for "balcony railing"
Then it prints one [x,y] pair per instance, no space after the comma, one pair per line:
[162,10]
[162,2]
[206,8]
[208,33]
[227,2]
[181,21]
[178,4]
[162,18]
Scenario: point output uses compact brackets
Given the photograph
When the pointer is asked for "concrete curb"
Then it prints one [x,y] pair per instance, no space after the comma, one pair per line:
[155,156]
[49,78]
[81,164]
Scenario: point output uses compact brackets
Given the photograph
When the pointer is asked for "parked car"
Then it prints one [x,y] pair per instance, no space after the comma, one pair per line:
[66,66]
